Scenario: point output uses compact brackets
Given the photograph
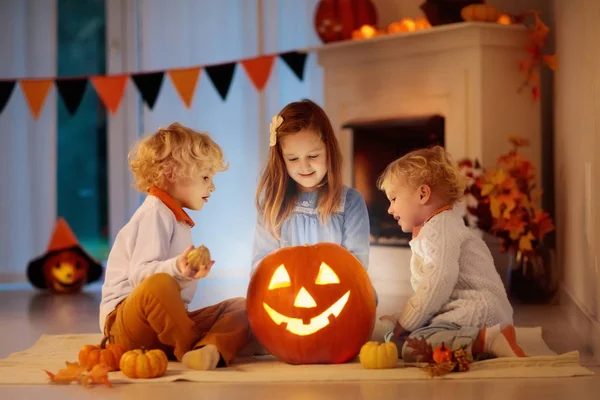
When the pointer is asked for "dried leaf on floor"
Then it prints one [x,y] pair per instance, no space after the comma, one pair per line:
[98,374]
[439,369]
[72,373]
[420,349]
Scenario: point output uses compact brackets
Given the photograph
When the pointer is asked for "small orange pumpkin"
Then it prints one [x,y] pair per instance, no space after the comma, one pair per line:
[91,355]
[442,354]
[480,12]
[144,364]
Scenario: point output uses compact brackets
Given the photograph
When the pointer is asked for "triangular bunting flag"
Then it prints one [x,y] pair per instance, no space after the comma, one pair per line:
[221,77]
[296,61]
[149,85]
[71,91]
[6,89]
[259,70]
[110,89]
[36,91]
[185,81]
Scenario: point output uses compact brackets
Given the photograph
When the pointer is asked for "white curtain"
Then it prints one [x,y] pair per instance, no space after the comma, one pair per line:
[27,147]
[200,32]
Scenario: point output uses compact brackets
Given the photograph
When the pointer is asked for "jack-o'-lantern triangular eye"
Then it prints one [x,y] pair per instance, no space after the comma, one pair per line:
[280,278]
[326,275]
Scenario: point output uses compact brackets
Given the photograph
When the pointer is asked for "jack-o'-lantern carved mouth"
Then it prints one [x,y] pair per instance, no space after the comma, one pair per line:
[303,299]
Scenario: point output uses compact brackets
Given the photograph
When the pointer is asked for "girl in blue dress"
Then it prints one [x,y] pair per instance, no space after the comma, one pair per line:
[300,197]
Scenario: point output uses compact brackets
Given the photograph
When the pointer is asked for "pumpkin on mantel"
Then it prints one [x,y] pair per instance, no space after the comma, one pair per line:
[480,13]
[311,304]
[337,19]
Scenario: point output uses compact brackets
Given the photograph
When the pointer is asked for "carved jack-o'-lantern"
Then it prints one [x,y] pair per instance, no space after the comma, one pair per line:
[66,271]
[66,267]
[311,304]
[337,19]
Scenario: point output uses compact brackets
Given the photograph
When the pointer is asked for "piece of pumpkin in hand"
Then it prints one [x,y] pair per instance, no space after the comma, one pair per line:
[198,257]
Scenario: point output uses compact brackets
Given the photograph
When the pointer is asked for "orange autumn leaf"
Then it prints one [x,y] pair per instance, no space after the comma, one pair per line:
[515,226]
[495,207]
[98,374]
[72,373]
[540,31]
[509,184]
[499,177]
[487,189]
[551,61]
[525,242]
[545,225]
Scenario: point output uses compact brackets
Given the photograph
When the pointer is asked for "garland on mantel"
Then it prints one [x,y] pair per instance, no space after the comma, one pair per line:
[111,88]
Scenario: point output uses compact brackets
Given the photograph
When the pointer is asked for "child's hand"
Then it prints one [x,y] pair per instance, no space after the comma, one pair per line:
[189,271]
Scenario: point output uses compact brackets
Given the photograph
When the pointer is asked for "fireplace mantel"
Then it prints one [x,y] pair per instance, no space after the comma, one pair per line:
[468,72]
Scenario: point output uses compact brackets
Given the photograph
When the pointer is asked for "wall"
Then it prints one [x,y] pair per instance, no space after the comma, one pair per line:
[577,126]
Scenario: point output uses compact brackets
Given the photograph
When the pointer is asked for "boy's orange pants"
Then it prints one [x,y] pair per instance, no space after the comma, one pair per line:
[154,316]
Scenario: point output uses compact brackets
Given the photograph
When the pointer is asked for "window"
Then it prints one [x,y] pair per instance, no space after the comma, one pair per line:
[81,153]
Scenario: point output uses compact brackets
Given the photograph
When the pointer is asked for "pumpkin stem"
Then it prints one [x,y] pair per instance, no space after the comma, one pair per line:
[103,342]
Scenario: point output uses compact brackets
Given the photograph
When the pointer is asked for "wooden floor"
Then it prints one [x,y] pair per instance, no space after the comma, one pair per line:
[26,314]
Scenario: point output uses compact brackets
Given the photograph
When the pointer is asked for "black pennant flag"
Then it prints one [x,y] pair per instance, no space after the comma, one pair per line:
[6,89]
[149,85]
[71,91]
[221,76]
[296,61]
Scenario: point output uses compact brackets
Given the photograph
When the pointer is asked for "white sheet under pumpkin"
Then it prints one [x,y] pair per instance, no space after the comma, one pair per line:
[51,351]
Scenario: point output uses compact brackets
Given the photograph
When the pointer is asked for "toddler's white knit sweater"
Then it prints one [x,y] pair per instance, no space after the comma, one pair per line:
[454,278]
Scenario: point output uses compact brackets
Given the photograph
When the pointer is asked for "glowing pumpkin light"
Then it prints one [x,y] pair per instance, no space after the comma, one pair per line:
[311,304]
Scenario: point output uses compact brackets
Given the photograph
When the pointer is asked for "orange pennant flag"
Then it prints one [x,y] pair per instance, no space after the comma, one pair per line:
[36,91]
[259,70]
[185,81]
[110,89]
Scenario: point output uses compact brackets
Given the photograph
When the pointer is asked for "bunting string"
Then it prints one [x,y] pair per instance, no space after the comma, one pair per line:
[110,89]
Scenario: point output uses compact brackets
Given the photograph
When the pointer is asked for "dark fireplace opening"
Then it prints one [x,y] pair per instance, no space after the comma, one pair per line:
[376,143]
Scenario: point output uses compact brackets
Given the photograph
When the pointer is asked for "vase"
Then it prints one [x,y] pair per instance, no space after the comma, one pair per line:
[531,276]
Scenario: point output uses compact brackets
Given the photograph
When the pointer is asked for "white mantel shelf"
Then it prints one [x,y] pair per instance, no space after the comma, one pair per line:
[448,37]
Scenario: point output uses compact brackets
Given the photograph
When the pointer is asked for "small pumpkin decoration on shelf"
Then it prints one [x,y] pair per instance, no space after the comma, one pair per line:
[480,12]
[199,256]
[303,301]
[109,354]
[375,355]
[144,364]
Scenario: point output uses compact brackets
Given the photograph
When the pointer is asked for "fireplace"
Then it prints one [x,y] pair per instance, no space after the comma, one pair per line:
[466,72]
[375,144]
